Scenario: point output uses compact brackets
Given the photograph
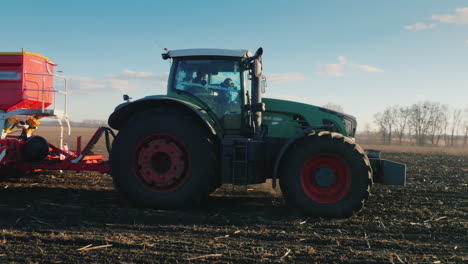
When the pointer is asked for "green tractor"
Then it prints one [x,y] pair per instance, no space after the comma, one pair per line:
[214,127]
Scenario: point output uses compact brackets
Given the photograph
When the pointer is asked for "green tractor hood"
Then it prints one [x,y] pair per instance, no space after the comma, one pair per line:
[286,118]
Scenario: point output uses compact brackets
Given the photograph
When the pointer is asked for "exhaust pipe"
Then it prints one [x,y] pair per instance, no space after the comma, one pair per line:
[257,106]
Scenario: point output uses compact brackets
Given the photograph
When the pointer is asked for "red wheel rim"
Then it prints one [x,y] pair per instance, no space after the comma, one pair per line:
[161,163]
[325,178]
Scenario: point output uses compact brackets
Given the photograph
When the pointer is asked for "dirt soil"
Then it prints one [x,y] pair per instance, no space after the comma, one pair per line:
[78,218]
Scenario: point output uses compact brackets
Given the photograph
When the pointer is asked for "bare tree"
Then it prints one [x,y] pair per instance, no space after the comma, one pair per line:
[401,121]
[465,137]
[367,129]
[386,121]
[456,122]
[379,120]
[465,125]
[443,124]
[438,116]
[390,117]
[425,122]
[420,121]
[334,107]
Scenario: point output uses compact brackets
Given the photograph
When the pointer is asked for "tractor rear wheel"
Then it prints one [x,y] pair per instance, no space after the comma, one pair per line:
[163,158]
[327,175]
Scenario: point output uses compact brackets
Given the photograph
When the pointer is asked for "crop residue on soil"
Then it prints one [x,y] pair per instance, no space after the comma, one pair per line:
[78,217]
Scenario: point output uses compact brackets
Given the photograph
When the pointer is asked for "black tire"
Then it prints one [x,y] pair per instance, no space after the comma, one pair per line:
[326,175]
[163,158]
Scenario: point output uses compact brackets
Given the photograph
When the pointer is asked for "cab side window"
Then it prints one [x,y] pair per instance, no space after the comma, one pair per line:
[216,82]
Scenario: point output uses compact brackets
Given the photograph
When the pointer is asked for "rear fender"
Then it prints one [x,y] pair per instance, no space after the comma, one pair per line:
[125,111]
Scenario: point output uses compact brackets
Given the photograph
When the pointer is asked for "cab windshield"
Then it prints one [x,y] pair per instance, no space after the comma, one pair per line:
[215,82]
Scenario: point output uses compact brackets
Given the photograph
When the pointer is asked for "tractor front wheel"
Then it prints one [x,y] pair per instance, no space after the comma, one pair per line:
[327,175]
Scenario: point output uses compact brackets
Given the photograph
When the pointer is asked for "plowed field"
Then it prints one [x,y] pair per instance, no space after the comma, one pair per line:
[70,217]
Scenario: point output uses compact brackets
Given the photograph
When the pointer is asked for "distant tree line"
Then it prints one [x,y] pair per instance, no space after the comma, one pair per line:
[94,123]
[423,123]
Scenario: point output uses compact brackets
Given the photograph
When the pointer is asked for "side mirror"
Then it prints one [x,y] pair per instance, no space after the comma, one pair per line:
[126,98]
[264,84]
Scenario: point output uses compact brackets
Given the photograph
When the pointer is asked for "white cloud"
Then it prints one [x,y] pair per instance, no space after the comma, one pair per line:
[366,68]
[133,75]
[466,41]
[343,60]
[122,82]
[460,17]
[344,67]
[285,77]
[88,85]
[332,70]
[419,26]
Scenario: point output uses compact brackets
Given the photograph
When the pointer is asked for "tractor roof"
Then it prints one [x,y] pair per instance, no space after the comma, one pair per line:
[209,52]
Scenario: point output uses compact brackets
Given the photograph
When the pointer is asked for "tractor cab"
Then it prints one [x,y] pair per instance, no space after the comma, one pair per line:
[215,82]
[219,81]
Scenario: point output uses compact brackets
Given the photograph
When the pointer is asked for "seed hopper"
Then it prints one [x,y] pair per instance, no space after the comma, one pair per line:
[28,95]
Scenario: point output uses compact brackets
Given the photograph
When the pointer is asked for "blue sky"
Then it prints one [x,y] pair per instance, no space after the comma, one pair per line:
[362,55]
